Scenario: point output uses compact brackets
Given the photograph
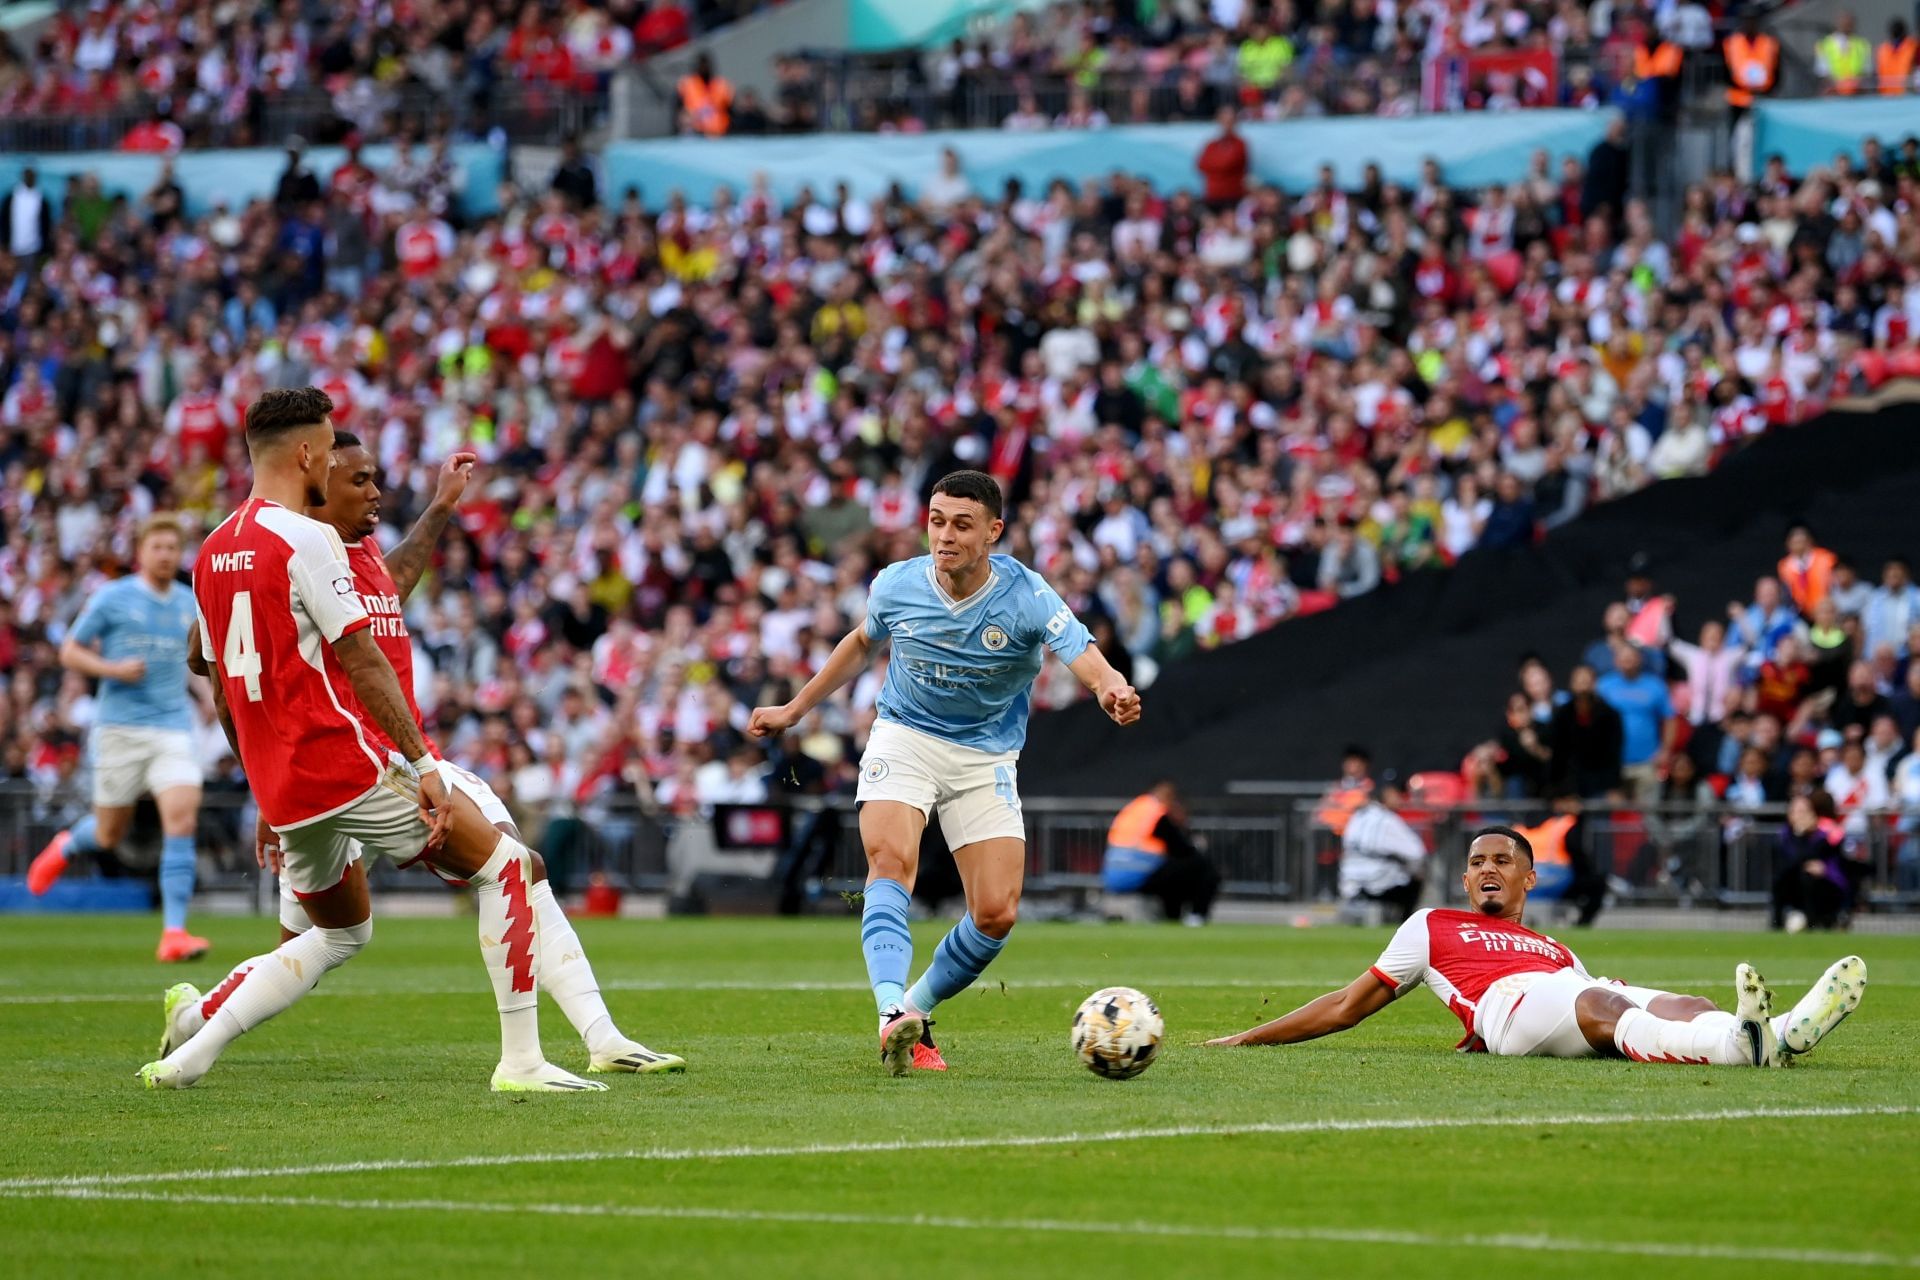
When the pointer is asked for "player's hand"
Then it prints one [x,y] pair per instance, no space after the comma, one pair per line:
[1226,1042]
[266,848]
[451,483]
[771,722]
[1121,703]
[436,809]
[127,670]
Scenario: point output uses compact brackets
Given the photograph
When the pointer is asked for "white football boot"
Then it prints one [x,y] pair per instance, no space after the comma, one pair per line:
[1825,1007]
[631,1055]
[545,1078]
[180,1016]
[1755,1011]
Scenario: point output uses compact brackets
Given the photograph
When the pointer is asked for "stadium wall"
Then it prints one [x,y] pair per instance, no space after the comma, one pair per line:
[1419,671]
[235,177]
[1474,150]
[1809,132]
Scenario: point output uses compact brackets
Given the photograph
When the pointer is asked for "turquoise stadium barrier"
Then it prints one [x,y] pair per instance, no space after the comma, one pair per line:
[1808,133]
[1473,150]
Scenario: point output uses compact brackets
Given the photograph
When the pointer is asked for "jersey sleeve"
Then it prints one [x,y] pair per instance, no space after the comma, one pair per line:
[92,623]
[1404,963]
[323,581]
[879,595]
[206,635]
[1053,622]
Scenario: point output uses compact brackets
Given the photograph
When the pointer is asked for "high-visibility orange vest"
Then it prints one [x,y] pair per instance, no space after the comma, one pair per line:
[1549,841]
[707,104]
[1662,60]
[1895,64]
[1754,65]
[1339,807]
[1807,585]
[1133,826]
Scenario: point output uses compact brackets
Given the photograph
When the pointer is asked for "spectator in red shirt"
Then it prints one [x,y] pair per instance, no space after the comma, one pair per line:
[1223,165]
[664,26]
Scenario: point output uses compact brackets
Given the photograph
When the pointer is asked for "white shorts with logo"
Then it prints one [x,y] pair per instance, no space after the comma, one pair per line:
[1531,1015]
[130,761]
[975,793]
[492,808]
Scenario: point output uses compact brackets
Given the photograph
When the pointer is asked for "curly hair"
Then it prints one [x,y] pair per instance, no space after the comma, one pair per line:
[277,412]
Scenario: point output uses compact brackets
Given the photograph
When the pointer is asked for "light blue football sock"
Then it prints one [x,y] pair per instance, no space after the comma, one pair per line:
[82,837]
[962,956]
[176,880]
[886,940]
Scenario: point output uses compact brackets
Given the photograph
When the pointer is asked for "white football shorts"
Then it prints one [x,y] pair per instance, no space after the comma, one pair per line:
[130,761]
[492,808]
[1531,1015]
[975,793]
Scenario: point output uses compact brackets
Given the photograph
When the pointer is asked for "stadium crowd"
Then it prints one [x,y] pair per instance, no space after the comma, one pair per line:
[704,427]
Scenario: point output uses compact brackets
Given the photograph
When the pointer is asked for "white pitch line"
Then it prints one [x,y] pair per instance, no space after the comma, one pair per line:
[985,1141]
[747,984]
[1536,1243]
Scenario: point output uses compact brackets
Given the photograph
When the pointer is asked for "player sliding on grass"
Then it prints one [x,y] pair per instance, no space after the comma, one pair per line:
[967,630]
[1521,994]
[314,704]
[353,510]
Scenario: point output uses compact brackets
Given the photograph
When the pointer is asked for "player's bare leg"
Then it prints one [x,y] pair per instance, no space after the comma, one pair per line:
[179,824]
[100,831]
[890,832]
[1683,1029]
[342,924]
[992,873]
[500,870]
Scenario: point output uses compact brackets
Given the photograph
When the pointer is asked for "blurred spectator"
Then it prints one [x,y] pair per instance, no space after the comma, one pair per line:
[574,179]
[1524,760]
[1816,876]
[1894,59]
[1223,164]
[1712,670]
[1647,724]
[1586,738]
[1753,64]
[1891,611]
[706,100]
[1382,860]
[27,216]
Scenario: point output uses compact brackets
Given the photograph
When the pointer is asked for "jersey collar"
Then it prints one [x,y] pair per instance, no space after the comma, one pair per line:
[958,607]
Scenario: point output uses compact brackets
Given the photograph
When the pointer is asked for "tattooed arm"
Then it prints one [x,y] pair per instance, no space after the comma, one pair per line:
[408,562]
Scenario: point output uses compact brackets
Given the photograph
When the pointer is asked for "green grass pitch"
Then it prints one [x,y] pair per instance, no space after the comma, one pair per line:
[355,1135]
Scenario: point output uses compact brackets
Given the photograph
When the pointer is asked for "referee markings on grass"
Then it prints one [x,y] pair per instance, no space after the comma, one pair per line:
[747,984]
[1039,1226]
[959,1143]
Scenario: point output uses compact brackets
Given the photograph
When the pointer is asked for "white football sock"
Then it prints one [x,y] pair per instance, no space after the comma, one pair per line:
[269,984]
[510,949]
[566,975]
[1711,1038]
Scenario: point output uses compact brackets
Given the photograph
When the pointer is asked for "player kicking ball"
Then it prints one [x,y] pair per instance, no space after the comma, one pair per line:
[383,584]
[969,631]
[131,637]
[308,693]
[1521,994]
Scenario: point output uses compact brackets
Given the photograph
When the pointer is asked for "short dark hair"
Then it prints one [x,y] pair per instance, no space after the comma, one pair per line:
[1520,842]
[975,485]
[345,439]
[286,409]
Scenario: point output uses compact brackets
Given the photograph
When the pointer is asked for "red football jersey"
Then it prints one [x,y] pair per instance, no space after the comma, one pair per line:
[1461,953]
[274,594]
[381,597]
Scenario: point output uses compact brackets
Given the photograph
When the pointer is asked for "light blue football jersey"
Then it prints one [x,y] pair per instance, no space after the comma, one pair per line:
[129,619]
[963,670]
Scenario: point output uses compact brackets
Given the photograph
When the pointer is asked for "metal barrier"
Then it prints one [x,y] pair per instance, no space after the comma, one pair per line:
[1266,848]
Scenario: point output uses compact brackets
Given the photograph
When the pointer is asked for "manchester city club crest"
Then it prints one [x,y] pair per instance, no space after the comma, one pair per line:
[875,770]
[994,638]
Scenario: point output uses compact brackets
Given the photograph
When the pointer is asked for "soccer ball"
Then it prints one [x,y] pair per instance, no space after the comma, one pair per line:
[1116,1032]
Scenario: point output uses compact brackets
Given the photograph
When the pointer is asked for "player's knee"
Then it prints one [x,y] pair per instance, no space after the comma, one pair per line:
[1598,1011]
[886,861]
[996,917]
[342,945]
[539,865]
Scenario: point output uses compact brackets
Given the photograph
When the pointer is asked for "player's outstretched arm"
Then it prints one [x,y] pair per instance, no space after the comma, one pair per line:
[409,560]
[379,692]
[1335,1011]
[849,658]
[1118,699]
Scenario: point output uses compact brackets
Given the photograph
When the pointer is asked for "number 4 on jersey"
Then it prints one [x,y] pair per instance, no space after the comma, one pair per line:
[240,658]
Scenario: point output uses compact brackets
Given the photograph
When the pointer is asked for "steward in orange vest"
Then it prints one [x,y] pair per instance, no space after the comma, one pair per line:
[1894,59]
[706,100]
[1149,851]
[1753,64]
